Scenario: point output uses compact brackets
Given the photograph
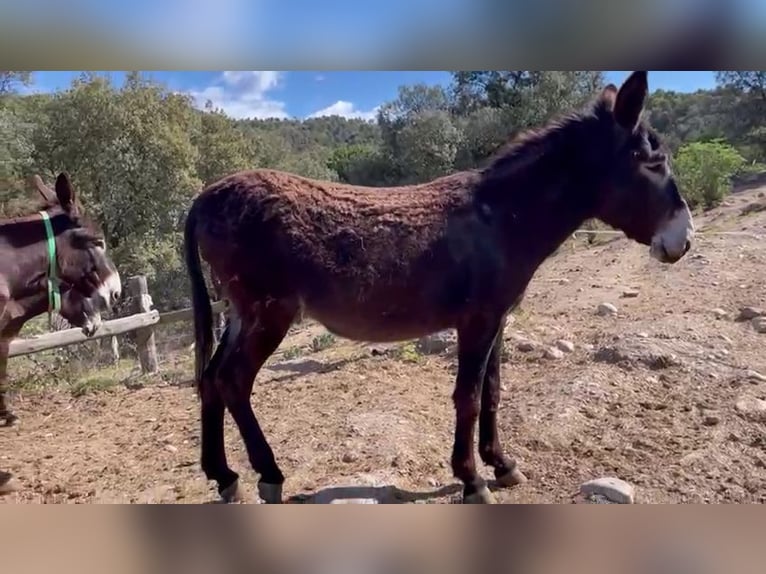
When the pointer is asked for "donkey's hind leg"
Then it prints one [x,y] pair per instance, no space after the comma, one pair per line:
[490,449]
[213,459]
[259,336]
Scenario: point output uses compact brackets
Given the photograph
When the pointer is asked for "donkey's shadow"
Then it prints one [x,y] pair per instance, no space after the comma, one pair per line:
[387,494]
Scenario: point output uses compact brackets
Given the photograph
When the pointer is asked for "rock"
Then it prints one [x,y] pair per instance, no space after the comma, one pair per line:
[611,488]
[171,448]
[435,343]
[606,310]
[553,353]
[719,313]
[711,419]
[639,351]
[755,376]
[752,409]
[749,313]
[526,346]
[565,346]
[349,457]
[630,293]
[380,349]
[8,484]
[759,324]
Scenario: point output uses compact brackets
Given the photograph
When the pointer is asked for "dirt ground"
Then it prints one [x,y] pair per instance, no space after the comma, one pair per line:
[666,394]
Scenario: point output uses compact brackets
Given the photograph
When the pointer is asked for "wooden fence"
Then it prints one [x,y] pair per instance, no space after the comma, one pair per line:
[142,322]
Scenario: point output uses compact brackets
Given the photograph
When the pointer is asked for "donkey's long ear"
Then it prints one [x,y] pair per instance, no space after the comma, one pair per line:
[630,100]
[42,189]
[66,193]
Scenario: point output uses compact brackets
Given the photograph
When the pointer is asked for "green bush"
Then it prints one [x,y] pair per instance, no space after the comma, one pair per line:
[704,170]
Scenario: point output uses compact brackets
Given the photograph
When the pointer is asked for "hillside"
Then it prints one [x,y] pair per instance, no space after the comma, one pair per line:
[669,394]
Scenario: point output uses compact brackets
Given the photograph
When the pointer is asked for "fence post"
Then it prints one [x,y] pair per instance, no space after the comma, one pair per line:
[141,302]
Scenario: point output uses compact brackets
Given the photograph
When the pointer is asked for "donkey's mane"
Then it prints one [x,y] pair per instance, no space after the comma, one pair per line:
[529,145]
[18,211]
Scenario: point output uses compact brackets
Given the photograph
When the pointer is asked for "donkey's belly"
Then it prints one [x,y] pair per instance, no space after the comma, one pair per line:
[378,325]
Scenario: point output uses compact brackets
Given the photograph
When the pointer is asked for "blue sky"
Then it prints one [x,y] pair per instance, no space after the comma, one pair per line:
[306,93]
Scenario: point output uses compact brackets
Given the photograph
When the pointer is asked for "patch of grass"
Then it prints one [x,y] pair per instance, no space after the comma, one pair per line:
[98,380]
[292,353]
[408,352]
[322,342]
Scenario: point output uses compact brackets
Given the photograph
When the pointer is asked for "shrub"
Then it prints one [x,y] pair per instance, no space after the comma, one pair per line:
[704,170]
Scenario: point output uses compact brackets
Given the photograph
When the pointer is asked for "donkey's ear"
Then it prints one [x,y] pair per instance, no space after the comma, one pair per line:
[630,99]
[65,193]
[42,189]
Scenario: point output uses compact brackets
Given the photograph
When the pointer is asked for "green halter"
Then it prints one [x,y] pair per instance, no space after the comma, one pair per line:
[54,295]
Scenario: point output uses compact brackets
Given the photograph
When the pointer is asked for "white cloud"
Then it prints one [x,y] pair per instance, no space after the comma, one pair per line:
[244,94]
[345,109]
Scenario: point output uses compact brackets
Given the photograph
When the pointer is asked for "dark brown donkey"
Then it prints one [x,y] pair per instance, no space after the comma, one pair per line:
[397,263]
[84,277]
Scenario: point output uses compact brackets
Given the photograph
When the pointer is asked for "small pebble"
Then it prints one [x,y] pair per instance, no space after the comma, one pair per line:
[630,293]
[350,457]
[526,346]
[711,419]
[752,409]
[553,353]
[755,376]
[749,313]
[564,345]
[719,313]
[606,309]
[759,324]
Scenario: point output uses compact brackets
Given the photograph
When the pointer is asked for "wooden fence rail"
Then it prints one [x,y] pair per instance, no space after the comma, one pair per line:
[142,322]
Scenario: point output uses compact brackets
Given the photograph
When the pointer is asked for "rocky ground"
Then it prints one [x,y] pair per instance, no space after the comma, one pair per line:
[616,366]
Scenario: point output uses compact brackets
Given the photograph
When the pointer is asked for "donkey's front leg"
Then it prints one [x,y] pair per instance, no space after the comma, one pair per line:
[7,418]
[475,340]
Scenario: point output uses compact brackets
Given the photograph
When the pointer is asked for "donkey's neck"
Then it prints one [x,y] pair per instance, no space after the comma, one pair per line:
[23,256]
[543,187]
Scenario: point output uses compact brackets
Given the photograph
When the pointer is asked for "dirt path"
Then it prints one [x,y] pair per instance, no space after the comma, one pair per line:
[661,395]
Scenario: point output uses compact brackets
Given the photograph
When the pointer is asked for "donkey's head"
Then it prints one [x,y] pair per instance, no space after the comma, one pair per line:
[640,195]
[88,279]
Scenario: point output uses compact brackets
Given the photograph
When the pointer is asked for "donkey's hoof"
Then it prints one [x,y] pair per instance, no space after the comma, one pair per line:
[270,493]
[8,484]
[481,496]
[9,420]
[233,493]
[511,477]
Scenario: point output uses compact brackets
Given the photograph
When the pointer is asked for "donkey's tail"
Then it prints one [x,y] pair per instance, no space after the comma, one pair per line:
[201,307]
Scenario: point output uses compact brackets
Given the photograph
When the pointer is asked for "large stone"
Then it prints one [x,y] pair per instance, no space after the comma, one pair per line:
[613,489]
